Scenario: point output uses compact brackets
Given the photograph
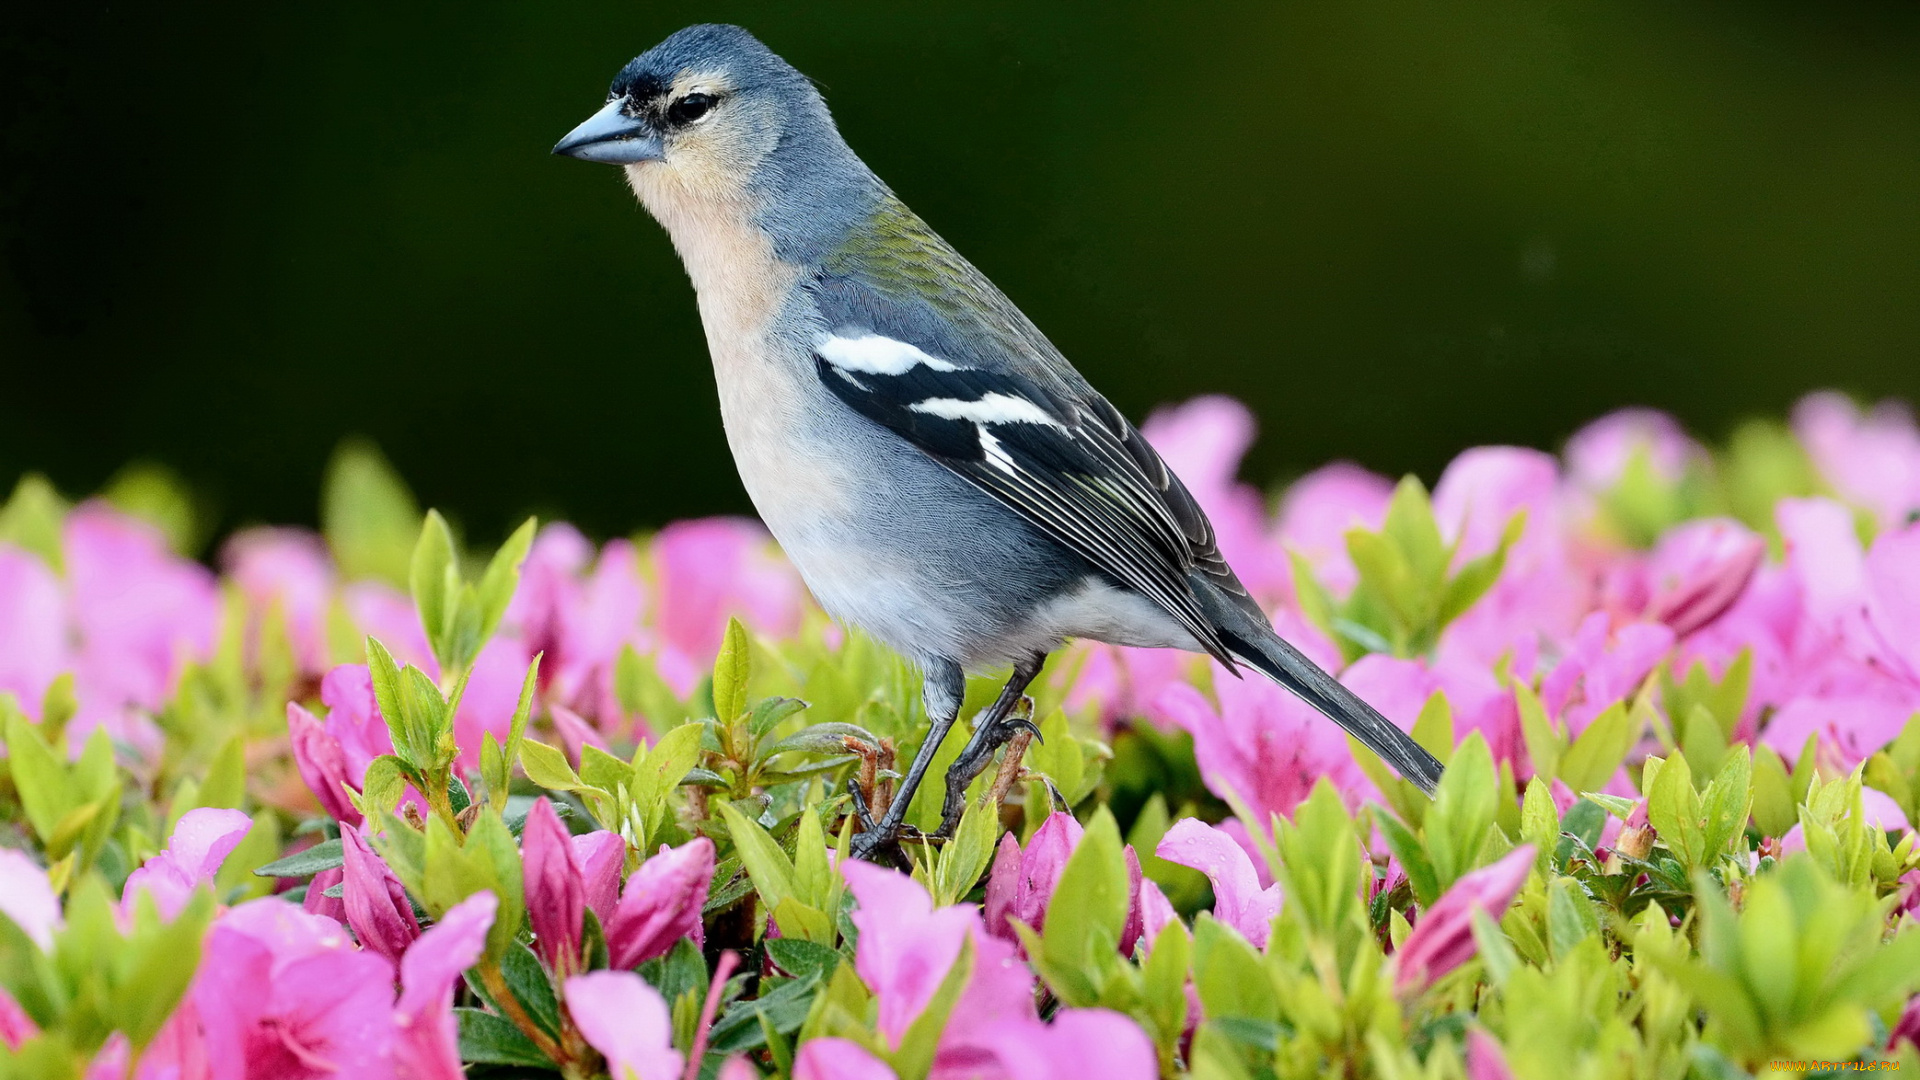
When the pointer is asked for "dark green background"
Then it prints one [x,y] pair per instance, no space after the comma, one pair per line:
[235,232]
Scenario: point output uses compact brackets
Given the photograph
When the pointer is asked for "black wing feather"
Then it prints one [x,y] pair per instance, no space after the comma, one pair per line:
[1088,480]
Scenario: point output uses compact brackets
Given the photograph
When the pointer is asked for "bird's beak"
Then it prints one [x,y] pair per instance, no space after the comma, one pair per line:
[612,137]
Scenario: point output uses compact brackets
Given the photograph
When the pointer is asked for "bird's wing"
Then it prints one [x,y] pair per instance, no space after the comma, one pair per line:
[1062,457]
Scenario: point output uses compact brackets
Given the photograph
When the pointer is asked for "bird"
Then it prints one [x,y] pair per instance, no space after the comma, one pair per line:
[938,473]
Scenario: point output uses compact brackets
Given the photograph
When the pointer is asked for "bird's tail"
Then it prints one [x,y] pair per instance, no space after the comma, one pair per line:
[1259,647]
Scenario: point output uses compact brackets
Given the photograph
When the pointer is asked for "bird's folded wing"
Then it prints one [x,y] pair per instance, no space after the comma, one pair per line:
[1070,464]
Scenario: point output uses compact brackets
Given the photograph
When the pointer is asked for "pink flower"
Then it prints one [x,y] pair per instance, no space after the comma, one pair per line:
[1078,1043]
[1202,441]
[1485,1059]
[1872,459]
[33,628]
[322,763]
[555,889]
[710,569]
[1400,689]
[1022,882]
[1536,594]
[1263,746]
[201,841]
[383,612]
[602,855]
[661,904]
[492,694]
[907,947]
[1694,574]
[16,1026]
[1602,667]
[27,898]
[376,904]
[1598,454]
[426,1042]
[626,1020]
[1320,509]
[284,995]
[317,902]
[579,619]
[141,613]
[1122,683]
[288,568]
[838,1059]
[1443,938]
[354,721]
[1238,899]
[1906,1029]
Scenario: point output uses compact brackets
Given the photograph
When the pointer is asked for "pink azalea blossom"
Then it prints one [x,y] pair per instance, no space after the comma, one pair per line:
[580,618]
[317,902]
[33,628]
[322,762]
[1077,1043]
[838,1059]
[1603,666]
[287,569]
[1022,882]
[1443,938]
[626,1020]
[141,613]
[1871,458]
[710,569]
[661,904]
[602,855]
[1238,899]
[905,950]
[1263,746]
[1536,594]
[1485,1058]
[201,842]
[27,898]
[16,1026]
[284,995]
[1320,509]
[492,694]
[1598,454]
[1696,572]
[555,889]
[375,903]
[426,1043]
[1400,689]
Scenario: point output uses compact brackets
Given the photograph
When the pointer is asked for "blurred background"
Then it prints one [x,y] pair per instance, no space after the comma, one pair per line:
[236,232]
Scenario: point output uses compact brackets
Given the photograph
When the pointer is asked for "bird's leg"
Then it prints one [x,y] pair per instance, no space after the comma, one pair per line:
[945,687]
[999,723]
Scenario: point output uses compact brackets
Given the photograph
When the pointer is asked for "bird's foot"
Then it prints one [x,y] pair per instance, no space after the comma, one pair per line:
[1013,730]
[878,841]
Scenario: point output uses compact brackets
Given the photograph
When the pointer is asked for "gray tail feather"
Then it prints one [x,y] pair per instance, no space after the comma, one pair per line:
[1286,665]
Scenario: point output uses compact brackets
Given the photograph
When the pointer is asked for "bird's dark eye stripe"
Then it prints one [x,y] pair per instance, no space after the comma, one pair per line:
[690,108]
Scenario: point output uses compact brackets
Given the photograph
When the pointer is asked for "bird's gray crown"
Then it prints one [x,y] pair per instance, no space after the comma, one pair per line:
[812,189]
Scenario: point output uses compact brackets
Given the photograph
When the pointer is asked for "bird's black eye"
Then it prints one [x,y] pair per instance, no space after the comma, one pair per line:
[690,108]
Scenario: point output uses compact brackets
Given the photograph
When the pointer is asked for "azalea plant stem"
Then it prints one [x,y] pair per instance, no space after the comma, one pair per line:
[496,984]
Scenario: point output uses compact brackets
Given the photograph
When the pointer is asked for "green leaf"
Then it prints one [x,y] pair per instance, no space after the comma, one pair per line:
[801,958]
[767,865]
[33,517]
[1545,743]
[487,1039]
[1497,954]
[1476,576]
[1673,809]
[1458,823]
[1774,808]
[731,669]
[1597,752]
[389,694]
[547,766]
[434,578]
[1413,858]
[1728,802]
[1089,905]
[384,786]
[502,576]
[782,1010]
[1229,975]
[966,856]
[531,986]
[369,517]
[1163,986]
[1570,917]
[325,855]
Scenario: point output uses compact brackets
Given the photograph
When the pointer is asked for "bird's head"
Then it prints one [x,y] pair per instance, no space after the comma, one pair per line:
[706,108]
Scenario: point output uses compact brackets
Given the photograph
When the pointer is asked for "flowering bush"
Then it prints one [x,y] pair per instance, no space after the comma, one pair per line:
[369,805]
